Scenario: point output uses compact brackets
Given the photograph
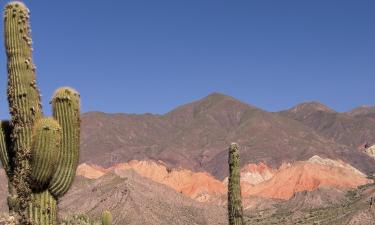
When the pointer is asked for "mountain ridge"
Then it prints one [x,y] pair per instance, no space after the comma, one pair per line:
[196,135]
[349,128]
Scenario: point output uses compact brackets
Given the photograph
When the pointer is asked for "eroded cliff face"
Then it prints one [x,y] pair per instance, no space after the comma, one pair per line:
[257,180]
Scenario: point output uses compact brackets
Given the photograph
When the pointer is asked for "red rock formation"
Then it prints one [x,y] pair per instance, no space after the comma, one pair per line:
[90,171]
[305,176]
[197,185]
[256,173]
[257,180]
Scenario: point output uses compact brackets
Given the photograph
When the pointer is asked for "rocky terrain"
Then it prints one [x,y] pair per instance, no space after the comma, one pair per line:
[143,192]
[136,200]
[354,128]
[370,151]
[356,207]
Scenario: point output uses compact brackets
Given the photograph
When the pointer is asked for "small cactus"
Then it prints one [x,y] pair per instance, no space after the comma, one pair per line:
[235,211]
[106,218]
[78,220]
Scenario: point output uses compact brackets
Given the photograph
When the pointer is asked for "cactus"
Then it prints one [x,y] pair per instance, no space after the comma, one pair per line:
[235,210]
[39,155]
[46,142]
[65,105]
[78,220]
[106,218]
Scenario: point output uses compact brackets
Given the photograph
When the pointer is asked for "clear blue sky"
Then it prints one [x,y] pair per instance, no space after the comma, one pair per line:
[150,56]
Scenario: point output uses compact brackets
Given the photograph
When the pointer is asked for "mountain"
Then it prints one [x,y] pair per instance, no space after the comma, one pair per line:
[365,110]
[305,165]
[351,129]
[195,136]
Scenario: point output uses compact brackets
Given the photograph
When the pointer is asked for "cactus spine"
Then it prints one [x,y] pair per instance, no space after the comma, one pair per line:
[235,210]
[106,218]
[40,155]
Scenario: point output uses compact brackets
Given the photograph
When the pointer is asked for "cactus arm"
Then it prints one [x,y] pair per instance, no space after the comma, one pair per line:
[5,153]
[45,147]
[235,210]
[65,106]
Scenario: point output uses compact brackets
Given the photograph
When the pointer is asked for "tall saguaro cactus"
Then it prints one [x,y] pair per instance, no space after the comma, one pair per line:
[40,155]
[235,210]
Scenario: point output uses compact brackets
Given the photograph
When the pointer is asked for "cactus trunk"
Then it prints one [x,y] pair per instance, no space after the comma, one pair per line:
[23,98]
[235,211]
[43,208]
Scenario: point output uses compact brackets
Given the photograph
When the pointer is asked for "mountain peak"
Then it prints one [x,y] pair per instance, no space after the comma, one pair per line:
[217,96]
[363,110]
[312,106]
[213,102]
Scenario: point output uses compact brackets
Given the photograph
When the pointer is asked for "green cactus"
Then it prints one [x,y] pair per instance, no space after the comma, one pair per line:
[45,143]
[40,155]
[106,218]
[78,220]
[235,211]
[65,104]
[81,219]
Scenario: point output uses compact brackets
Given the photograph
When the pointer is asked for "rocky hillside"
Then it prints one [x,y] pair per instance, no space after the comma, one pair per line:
[135,200]
[257,180]
[352,129]
[143,192]
[365,110]
[356,207]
